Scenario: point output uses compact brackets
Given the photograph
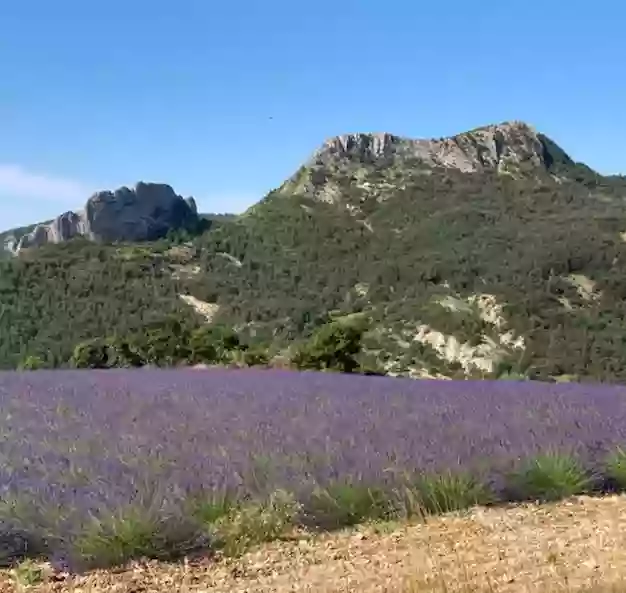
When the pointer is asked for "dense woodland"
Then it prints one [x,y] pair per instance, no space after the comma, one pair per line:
[399,237]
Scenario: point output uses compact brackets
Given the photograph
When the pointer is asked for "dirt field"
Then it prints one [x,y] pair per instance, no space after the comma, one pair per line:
[569,546]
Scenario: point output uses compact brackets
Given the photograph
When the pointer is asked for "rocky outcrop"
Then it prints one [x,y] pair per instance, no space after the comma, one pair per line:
[144,213]
[62,228]
[191,202]
[512,148]
[362,146]
[503,147]
[9,245]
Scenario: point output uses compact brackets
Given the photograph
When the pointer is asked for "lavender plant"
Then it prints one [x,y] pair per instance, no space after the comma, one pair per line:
[78,448]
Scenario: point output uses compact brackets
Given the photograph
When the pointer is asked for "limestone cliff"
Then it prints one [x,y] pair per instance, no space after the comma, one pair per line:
[500,147]
[146,212]
[512,148]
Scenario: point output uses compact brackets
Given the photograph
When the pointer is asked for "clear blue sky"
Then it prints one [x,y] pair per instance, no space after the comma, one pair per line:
[94,95]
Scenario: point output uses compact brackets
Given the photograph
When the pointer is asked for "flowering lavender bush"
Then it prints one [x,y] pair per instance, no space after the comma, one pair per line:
[80,447]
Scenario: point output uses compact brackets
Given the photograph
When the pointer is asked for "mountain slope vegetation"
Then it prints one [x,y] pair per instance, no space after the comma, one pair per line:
[482,254]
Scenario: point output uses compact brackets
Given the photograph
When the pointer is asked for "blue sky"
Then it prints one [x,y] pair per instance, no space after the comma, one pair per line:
[225,99]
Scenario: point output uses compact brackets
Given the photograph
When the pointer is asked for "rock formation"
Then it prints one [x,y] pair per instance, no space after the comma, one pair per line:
[498,147]
[64,227]
[144,213]
[512,148]
[150,210]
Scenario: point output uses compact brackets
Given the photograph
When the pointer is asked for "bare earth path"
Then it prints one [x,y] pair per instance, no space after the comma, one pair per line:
[570,546]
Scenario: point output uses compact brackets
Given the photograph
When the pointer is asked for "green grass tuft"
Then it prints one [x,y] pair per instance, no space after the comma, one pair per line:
[252,524]
[208,510]
[616,467]
[345,504]
[28,573]
[135,533]
[550,477]
[232,522]
[452,492]
[434,494]
[28,530]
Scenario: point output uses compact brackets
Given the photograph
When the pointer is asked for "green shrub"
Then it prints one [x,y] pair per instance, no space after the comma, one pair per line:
[254,523]
[32,363]
[135,533]
[432,494]
[616,467]
[123,353]
[106,354]
[213,344]
[345,504]
[91,354]
[208,511]
[333,346]
[28,528]
[256,356]
[166,342]
[448,492]
[551,476]
[28,573]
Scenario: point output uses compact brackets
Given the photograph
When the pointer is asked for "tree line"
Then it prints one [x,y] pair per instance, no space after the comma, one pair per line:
[334,346]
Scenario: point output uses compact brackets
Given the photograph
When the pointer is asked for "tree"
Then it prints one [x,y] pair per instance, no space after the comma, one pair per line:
[165,343]
[256,356]
[92,354]
[32,363]
[213,344]
[333,346]
[124,353]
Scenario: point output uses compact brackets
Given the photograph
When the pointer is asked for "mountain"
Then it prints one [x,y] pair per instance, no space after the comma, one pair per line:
[514,149]
[146,212]
[485,252]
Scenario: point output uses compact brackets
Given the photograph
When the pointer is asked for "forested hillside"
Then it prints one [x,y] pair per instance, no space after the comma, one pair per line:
[479,272]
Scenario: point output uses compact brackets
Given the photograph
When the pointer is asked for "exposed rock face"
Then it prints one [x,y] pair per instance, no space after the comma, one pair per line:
[144,213]
[191,202]
[498,147]
[512,148]
[9,244]
[364,146]
[62,228]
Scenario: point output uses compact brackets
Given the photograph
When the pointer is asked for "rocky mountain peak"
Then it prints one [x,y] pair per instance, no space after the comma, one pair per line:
[513,147]
[372,145]
[501,147]
[497,147]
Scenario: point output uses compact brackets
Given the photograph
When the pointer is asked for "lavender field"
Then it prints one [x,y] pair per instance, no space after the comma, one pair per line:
[76,445]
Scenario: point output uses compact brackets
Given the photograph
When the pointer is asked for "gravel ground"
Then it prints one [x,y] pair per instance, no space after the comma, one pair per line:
[569,546]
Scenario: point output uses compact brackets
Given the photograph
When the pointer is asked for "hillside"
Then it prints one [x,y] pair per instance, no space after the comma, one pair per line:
[489,251]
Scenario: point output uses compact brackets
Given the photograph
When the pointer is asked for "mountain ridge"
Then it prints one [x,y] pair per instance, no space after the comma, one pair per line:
[501,147]
[461,273]
[483,147]
[513,148]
